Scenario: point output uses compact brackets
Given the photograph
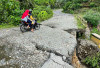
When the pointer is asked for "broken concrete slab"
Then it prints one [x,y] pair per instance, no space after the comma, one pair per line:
[24,56]
[54,40]
[56,62]
[49,39]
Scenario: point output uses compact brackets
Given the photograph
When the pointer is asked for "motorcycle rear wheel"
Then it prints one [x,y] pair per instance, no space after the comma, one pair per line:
[23,28]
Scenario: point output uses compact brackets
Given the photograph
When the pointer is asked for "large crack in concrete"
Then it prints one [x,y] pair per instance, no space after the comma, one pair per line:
[31,54]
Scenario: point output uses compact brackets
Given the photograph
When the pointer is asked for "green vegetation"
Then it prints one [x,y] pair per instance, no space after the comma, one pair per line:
[42,2]
[95,30]
[72,5]
[79,23]
[93,61]
[3,26]
[12,10]
[92,17]
[43,15]
[37,11]
[92,4]
[87,9]
[26,4]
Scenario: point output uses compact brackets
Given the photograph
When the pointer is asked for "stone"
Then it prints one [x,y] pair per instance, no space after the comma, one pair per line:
[54,40]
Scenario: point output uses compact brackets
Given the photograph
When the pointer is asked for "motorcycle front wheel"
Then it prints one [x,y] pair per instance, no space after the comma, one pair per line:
[37,26]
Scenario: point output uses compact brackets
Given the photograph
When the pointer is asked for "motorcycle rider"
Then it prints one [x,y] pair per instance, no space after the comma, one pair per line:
[27,17]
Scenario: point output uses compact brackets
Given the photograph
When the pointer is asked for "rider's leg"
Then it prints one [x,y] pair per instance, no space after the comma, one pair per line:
[29,23]
[28,26]
[32,30]
[32,27]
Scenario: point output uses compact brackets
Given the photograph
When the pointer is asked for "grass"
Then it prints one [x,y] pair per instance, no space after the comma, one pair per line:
[3,26]
[94,30]
[80,12]
[79,23]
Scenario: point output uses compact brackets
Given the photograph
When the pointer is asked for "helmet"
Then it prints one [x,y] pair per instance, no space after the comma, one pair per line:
[30,10]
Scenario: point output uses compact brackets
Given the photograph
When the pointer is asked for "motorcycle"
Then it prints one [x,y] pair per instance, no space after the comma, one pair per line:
[23,26]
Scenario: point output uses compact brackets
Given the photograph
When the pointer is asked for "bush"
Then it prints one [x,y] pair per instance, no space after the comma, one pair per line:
[75,6]
[58,3]
[15,18]
[26,4]
[80,1]
[92,4]
[77,1]
[66,6]
[70,7]
[43,15]
[97,9]
[85,0]
[38,9]
[95,30]
[92,17]
[52,3]
[10,12]
[93,61]
[49,11]
[42,2]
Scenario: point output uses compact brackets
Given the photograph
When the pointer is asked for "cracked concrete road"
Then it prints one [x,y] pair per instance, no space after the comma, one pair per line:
[61,21]
[32,49]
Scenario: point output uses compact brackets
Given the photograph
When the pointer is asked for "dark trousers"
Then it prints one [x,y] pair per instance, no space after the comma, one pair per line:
[29,22]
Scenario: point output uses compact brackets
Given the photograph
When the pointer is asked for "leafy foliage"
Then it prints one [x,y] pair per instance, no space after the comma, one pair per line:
[66,6]
[92,4]
[42,2]
[10,12]
[92,17]
[70,7]
[77,4]
[37,12]
[52,3]
[26,4]
[93,61]
[97,9]
[43,15]
[95,30]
